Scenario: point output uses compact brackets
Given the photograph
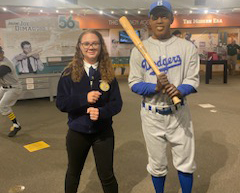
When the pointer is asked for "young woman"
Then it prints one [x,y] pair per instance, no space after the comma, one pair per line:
[88,91]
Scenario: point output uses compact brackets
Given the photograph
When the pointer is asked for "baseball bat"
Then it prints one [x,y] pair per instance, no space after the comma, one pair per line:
[37,51]
[138,43]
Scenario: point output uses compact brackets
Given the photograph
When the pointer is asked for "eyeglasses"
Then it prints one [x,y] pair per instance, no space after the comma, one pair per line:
[87,45]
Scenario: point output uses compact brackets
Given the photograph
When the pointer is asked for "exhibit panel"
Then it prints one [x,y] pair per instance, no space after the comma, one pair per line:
[39,85]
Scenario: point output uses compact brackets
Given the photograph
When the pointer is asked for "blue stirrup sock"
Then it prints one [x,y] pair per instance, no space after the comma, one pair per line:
[186,181]
[158,183]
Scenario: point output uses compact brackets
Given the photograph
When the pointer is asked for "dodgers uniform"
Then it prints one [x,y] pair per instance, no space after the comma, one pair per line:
[10,88]
[161,121]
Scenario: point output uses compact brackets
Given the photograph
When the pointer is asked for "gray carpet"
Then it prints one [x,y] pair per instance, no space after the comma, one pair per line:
[217,136]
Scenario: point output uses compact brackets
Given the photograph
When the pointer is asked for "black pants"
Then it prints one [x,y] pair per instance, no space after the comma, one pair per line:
[78,145]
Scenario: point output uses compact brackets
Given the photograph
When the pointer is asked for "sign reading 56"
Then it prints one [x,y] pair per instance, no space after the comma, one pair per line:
[64,22]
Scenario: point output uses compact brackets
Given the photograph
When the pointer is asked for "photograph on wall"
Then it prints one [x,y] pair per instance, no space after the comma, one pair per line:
[205,42]
[114,47]
[31,42]
[28,61]
[119,53]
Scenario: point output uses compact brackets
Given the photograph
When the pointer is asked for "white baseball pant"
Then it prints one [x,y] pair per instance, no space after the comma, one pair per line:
[176,129]
[8,97]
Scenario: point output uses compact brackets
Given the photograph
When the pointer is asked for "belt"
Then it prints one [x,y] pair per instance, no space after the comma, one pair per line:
[162,111]
[6,87]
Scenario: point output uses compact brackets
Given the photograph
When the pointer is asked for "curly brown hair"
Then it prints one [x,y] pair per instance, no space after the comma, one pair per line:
[76,67]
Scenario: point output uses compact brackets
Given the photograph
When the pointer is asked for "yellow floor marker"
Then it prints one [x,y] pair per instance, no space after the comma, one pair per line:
[16,189]
[36,146]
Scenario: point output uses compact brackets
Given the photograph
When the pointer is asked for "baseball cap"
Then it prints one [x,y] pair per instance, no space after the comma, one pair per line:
[161,4]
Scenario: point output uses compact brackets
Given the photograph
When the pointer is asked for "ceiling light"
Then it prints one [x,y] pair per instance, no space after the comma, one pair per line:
[71,11]
[139,12]
[41,10]
[126,12]
[112,12]
[190,11]
[4,9]
[206,11]
[57,11]
[175,12]
[217,11]
[101,12]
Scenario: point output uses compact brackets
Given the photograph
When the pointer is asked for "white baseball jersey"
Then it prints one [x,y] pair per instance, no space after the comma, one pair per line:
[9,95]
[10,78]
[179,59]
[176,57]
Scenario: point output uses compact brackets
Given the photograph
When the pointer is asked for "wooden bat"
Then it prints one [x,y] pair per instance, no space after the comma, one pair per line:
[138,43]
[37,51]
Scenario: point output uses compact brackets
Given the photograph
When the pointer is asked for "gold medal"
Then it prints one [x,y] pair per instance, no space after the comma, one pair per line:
[104,86]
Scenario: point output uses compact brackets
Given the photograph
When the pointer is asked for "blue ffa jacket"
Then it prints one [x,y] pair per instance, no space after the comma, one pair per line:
[72,98]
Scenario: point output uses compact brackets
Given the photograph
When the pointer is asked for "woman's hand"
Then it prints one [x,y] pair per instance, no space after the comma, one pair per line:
[94,113]
[93,96]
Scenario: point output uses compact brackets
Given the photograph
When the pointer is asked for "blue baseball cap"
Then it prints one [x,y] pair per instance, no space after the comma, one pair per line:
[161,3]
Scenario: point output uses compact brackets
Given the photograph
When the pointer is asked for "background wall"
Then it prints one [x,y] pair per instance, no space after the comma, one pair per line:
[213,40]
[57,35]
[42,32]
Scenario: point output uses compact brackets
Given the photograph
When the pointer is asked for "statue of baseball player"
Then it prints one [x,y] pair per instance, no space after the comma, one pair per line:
[162,122]
[10,90]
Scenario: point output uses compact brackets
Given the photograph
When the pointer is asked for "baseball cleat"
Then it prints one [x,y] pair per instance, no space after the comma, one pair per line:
[14,129]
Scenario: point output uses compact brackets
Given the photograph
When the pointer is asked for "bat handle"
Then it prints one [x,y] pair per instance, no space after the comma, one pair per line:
[176,100]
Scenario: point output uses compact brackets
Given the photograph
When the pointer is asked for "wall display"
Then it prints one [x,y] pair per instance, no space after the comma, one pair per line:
[121,64]
[48,36]
[206,20]
[53,37]
[28,61]
[39,85]
[205,42]
[144,32]
[124,38]
[222,38]
[118,49]
[114,51]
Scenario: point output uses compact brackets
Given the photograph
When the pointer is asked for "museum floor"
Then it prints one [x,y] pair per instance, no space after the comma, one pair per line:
[217,134]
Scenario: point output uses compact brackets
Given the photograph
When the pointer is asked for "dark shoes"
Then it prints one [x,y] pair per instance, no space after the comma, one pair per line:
[14,129]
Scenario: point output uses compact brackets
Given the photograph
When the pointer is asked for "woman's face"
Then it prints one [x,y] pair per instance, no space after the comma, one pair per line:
[90,47]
